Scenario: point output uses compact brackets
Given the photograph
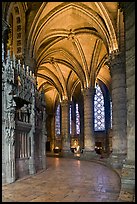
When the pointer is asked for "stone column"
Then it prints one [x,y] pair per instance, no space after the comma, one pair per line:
[65,128]
[52,131]
[128,170]
[81,112]
[50,123]
[44,139]
[130,79]
[89,140]
[119,135]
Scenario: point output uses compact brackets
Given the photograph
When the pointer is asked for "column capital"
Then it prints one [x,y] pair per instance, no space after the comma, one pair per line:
[88,91]
[116,58]
[127,7]
[64,102]
[116,62]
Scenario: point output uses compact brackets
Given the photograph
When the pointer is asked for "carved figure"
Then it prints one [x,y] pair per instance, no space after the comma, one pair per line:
[24,113]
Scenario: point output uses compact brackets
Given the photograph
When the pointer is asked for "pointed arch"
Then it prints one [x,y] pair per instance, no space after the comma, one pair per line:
[110,27]
[17,10]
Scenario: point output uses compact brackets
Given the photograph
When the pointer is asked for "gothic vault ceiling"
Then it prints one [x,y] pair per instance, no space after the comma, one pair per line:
[70,42]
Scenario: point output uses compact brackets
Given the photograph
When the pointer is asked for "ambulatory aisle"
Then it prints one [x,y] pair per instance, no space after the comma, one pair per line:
[66,180]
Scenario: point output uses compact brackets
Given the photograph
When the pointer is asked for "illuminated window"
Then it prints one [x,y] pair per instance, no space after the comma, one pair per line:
[57,120]
[99,110]
[111,114]
[70,115]
[77,120]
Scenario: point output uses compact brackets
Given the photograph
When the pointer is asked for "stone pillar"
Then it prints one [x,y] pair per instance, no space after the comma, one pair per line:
[119,135]
[50,123]
[52,131]
[130,79]
[65,128]
[128,170]
[89,140]
[44,139]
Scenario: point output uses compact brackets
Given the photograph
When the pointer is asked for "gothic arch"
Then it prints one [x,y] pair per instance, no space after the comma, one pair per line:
[17,11]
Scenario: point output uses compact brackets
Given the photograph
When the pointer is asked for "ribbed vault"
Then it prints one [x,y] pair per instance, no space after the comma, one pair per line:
[70,42]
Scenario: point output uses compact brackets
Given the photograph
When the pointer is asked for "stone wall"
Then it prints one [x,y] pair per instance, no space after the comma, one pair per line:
[130,78]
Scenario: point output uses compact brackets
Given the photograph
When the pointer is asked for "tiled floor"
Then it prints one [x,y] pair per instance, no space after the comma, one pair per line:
[66,180]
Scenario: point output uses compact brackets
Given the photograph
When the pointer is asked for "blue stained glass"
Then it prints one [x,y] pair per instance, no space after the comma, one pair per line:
[77,120]
[70,109]
[111,114]
[57,120]
[99,110]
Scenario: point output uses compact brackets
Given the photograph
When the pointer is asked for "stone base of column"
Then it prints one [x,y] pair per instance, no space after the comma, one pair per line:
[3,179]
[88,155]
[66,153]
[127,193]
[10,171]
[126,197]
[43,162]
[10,180]
[128,176]
[3,173]
[32,169]
[116,160]
[7,179]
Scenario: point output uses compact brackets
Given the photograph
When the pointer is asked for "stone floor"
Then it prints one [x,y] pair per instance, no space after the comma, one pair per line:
[66,180]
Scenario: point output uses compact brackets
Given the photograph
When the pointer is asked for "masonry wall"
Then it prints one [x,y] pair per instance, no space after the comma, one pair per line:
[130,80]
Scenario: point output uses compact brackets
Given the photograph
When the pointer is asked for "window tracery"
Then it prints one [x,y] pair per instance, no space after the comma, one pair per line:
[99,110]
[70,118]
[57,120]
[77,120]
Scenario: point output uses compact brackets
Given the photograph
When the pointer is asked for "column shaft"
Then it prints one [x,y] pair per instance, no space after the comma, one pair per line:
[119,141]
[128,170]
[119,135]
[44,139]
[52,132]
[89,142]
[65,126]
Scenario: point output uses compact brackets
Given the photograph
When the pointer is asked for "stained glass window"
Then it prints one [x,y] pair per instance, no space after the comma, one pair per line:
[99,110]
[111,114]
[57,120]
[70,128]
[77,120]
